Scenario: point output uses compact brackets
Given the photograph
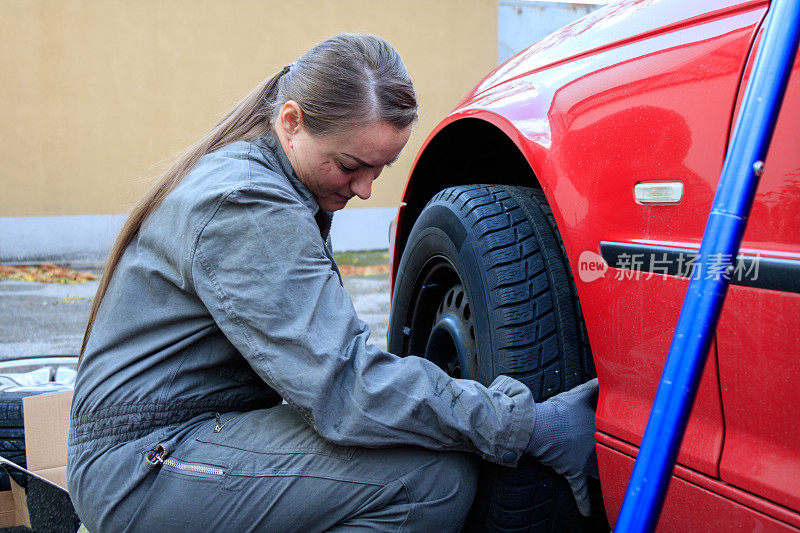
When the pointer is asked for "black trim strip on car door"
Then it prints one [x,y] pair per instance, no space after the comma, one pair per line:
[749,270]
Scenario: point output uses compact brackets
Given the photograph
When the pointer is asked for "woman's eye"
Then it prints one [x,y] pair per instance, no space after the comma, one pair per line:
[347,169]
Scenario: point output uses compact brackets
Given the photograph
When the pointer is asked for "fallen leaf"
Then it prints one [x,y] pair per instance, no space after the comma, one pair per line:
[372,270]
[45,273]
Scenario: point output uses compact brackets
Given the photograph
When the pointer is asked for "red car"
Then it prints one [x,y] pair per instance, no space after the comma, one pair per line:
[548,230]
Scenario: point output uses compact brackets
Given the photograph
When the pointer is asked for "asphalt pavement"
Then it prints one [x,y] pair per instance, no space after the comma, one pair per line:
[49,319]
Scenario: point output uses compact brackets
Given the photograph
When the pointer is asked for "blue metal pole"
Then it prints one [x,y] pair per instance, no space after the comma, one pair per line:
[723,234]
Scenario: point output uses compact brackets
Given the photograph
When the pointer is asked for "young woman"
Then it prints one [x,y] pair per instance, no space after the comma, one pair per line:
[221,298]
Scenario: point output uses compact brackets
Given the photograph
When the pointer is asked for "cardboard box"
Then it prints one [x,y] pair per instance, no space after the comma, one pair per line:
[7,514]
[46,429]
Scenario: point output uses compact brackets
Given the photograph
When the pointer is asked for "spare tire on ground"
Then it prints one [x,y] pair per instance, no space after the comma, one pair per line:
[19,378]
[12,432]
[484,288]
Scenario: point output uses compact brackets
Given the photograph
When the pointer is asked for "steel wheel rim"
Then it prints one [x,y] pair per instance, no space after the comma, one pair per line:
[442,320]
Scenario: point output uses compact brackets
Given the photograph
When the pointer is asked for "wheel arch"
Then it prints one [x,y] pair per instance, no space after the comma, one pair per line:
[464,151]
[476,146]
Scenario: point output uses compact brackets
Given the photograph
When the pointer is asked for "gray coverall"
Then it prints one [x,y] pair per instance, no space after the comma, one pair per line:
[226,301]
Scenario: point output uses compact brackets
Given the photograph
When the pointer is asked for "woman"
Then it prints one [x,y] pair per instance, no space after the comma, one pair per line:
[221,297]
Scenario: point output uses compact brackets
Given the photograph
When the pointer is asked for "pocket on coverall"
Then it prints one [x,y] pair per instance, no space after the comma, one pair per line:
[278,430]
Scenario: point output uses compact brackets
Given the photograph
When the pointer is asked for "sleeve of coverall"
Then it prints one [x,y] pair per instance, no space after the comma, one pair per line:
[260,267]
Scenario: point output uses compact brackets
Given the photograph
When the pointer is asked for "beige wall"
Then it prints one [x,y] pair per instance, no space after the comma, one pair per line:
[94,95]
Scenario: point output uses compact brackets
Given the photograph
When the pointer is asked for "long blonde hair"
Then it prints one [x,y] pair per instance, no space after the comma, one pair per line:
[344,82]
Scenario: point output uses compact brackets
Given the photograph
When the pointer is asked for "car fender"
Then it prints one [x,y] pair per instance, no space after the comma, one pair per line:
[512,146]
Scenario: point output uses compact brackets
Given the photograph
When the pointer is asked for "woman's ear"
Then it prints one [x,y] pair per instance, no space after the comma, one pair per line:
[290,118]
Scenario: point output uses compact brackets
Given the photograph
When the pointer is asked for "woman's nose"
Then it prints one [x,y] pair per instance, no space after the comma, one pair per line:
[362,184]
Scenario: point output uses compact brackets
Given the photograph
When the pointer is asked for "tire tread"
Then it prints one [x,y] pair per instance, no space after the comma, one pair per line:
[537,337]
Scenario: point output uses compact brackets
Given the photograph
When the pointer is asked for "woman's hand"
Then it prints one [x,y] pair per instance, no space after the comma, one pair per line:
[563,437]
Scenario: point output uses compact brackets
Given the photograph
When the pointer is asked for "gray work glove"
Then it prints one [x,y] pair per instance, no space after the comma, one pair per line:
[563,438]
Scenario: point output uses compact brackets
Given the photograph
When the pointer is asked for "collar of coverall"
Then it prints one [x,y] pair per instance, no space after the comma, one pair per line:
[271,144]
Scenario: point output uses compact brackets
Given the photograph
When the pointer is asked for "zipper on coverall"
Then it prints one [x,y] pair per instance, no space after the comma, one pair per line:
[159,456]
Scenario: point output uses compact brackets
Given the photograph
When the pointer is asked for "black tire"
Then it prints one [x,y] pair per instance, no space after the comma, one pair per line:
[12,432]
[518,315]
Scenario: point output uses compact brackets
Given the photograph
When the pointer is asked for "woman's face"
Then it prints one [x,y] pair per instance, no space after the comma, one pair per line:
[337,167]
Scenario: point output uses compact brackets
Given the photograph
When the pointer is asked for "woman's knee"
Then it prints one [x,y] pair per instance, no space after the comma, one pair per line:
[443,490]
